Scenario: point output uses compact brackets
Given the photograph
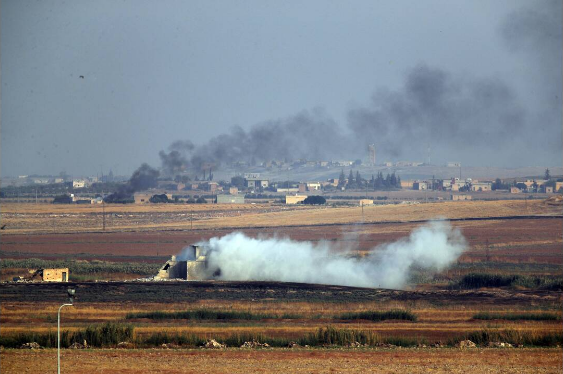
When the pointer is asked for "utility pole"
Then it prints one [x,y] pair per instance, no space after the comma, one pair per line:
[103,212]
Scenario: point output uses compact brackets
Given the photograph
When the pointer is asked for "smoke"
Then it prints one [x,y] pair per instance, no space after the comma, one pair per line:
[437,107]
[434,246]
[473,119]
[143,178]
[534,33]
[306,135]
[176,160]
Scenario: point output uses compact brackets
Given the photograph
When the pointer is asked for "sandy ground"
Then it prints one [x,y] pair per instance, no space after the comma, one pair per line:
[287,361]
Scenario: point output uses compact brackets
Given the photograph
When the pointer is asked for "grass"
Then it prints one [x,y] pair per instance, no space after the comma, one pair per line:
[517,316]
[395,314]
[515,337]
[102,335]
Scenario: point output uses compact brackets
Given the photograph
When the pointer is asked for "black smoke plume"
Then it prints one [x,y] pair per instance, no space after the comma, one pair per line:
[475,120]
[143,178]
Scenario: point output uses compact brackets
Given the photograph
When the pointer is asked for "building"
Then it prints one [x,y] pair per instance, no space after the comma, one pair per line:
[302,187]
[142,198]
[233,190]
[257,182]
[515,190]
[547,189]
[481,186]
[453,164]
[194,267]
[295,199]
[288,190]
[406,184]
[371,151]
[313,186]
[364,202]
[420,185]
[78,183]
[51,275]
[230,199]
[460,197]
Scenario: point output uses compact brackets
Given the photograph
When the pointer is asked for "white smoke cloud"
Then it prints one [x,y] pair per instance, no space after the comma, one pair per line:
[434,246]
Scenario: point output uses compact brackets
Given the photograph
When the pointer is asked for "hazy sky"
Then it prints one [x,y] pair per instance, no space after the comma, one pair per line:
[159,71]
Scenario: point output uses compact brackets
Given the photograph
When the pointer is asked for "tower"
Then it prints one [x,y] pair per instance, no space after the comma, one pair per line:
[371,150]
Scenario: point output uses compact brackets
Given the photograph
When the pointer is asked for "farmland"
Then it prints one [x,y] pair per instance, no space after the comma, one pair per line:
[516,243]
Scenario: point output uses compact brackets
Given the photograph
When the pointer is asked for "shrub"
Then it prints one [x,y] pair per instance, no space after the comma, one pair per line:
[314,200]
[380,316]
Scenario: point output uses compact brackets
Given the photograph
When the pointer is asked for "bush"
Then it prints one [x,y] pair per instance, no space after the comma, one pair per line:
[380,316]
[201,200]
[314,200]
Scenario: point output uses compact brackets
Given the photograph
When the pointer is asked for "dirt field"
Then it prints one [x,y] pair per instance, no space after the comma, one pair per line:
[514,361]
[45,218]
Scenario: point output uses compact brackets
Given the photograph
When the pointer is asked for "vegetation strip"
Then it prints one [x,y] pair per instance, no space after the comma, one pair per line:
[380,316]
[114,334]
[479,280]
[518,316]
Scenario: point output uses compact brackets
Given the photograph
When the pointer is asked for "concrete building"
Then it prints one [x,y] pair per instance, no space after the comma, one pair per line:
[233,190]
[195,267]
[78,183]
[294,199]
[481,186]
[420,185]
[142,198]
[51,275]
[515,190]
[230,199]
[364,202]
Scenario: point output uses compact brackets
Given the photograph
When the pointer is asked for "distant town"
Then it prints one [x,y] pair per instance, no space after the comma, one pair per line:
[276,181]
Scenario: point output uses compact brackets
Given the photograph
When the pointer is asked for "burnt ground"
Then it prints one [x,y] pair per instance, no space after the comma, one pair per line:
[186,292]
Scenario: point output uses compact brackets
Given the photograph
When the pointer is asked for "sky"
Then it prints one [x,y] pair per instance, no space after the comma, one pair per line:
[89,86]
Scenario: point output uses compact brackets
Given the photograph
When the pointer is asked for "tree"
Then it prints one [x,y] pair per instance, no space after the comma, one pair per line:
[158,199]
[314,200]
[238,182]
[358,179]
[341,179]
[547,175]
[201,200]
[62,199]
